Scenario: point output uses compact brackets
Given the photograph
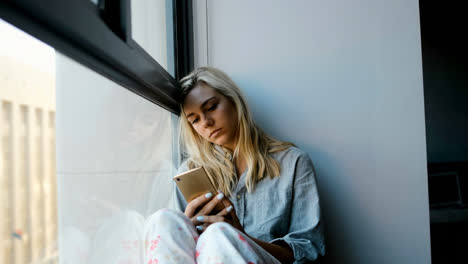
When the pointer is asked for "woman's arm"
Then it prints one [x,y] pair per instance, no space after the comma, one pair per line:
[305,232]
[282,252]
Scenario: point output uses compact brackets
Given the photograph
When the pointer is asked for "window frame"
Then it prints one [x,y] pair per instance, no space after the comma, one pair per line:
[102,41]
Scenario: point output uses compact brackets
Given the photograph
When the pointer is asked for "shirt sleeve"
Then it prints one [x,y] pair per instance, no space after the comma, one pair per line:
[179,202]
[305,233]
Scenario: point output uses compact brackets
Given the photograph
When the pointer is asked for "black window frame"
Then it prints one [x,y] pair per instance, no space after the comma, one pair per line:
[99,37]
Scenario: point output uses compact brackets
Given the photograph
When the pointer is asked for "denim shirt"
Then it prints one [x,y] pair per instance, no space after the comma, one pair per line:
[284,208]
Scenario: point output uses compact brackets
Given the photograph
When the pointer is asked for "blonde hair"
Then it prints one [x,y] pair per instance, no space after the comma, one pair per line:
[252,142]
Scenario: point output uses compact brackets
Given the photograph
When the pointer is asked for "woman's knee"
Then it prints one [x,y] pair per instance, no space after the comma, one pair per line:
[167,217]
[219,226]
[220,230]
[224,239]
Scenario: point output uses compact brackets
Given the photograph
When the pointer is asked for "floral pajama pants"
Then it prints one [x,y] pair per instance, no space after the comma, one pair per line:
[167,236]
[172,238]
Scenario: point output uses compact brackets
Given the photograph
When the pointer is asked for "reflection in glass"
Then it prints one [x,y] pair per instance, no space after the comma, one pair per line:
[115,162]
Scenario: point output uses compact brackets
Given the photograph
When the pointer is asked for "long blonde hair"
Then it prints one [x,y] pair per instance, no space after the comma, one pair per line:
[252,142]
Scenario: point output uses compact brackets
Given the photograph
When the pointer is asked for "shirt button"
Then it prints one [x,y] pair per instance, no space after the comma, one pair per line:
[238,197]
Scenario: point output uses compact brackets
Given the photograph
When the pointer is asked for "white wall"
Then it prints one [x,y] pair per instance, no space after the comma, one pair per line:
[342,79]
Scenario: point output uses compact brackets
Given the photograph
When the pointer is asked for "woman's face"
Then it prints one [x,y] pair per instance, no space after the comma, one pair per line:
[212,115]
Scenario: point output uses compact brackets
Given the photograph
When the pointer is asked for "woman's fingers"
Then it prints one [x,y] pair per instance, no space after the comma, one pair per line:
[227,215]
[226,211]
[196,203]
[202,228]
[208,219]
[202,219]
[208,208]
[227,202]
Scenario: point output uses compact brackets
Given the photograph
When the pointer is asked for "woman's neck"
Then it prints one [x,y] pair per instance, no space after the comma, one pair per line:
[241,165]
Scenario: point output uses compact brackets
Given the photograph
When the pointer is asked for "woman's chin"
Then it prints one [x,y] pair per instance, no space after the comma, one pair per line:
[221,141]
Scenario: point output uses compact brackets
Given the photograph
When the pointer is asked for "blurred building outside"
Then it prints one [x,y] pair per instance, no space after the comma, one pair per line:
[28,195]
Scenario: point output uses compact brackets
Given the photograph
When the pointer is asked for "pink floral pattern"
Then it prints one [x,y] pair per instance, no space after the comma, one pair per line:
[212,246]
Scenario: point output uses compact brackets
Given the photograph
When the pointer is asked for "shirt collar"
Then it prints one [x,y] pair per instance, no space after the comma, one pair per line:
[226,153]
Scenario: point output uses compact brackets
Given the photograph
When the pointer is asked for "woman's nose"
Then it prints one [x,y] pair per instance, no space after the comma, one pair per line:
[208,121]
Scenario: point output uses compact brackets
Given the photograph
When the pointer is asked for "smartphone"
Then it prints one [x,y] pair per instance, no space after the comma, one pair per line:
[194,183]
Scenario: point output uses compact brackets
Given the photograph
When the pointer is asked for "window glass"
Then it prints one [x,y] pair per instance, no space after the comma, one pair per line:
[116,156]
[114,165]
[152,29]
[28,200]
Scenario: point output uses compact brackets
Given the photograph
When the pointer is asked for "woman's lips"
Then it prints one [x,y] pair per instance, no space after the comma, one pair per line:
[215,132]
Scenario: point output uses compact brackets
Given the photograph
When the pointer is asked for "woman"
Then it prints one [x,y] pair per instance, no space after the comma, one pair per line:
[272,212]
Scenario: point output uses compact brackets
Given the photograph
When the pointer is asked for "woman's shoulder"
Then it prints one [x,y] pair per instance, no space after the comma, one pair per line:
[292,153]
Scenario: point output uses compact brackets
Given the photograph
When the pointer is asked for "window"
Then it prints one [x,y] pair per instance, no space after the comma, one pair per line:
[28,181]
[112,126]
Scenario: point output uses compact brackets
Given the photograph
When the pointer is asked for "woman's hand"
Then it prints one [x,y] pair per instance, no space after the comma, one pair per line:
[202,205]
[203,217]
[227,215]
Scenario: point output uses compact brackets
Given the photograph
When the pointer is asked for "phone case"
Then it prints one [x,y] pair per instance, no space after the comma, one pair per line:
[194,183]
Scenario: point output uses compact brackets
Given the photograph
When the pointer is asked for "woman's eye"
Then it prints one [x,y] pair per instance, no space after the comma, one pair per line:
[194,121]
[213,107]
